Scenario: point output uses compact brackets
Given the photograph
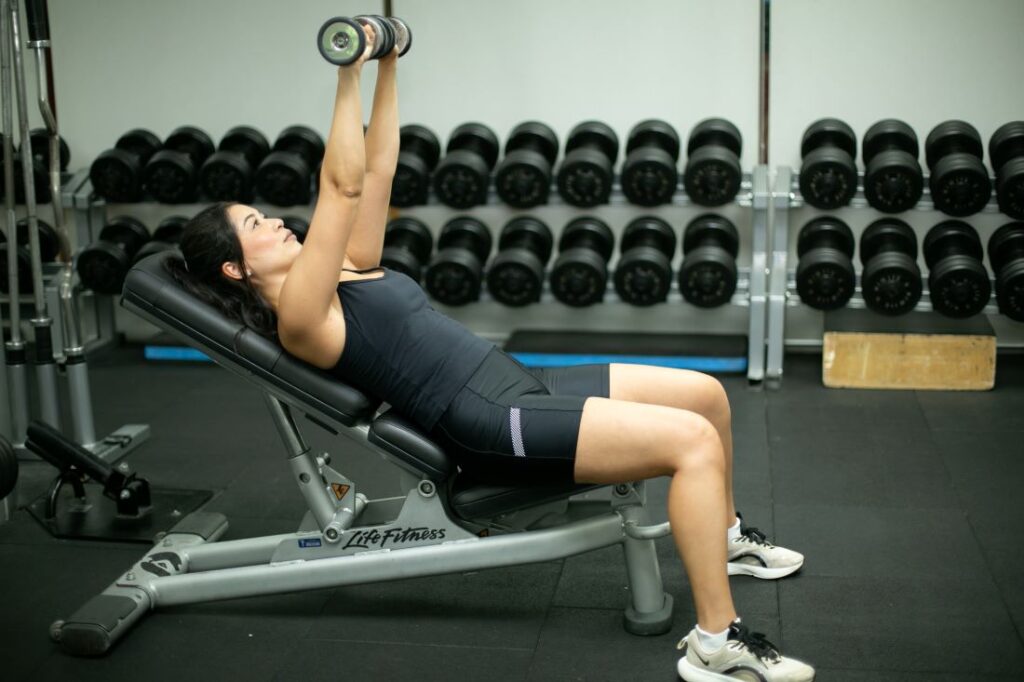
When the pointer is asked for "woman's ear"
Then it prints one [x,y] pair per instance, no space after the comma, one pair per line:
[231,269]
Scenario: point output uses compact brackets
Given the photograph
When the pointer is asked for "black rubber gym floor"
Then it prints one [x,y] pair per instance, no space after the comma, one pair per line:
[906,505]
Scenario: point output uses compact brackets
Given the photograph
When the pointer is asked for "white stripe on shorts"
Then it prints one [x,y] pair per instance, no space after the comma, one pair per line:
[517,432]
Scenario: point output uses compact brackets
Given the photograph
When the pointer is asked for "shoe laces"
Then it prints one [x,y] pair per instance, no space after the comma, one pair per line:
[753,535]
[755,642]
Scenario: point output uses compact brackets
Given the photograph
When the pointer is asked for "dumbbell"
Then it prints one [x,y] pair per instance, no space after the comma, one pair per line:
[49,248]
[523,178]
[299,226]
[649,175]
[825,278]
[166,236]
[828,176]
[707,276]
[516,275]
[341,40]
[419,151]
[1006,149]
[643,275]
[461,178]
[103,265]
[958,282]
[41,149]
[455,273]
[893,181]
[891,280]
[579,276]
[713,175]
[959,182]
[407,247]
[1006,255]
[585,177]
[117,174]
[172,174]
[285,175]
[40,175]
[230,174]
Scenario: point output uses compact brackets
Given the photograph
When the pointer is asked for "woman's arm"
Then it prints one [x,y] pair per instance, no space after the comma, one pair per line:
[311,284]
[382,141]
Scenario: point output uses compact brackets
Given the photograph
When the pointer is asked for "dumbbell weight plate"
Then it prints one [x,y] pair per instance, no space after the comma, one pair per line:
[893,181]
[515,276]
[226,176]
[409,259]
[41,149]
[49,241]
[523,178]
[585,176]
[713,175]
[649,176]
[172,174]
[1006,254]
[891,281]
[382,34]
[24,265]
[8,468]
[170,229]
[959,181]
[579,276]
[1006,149]
[825,278]
[341,41]
[117,174]
[103,266]
[151,247]
[462,177]
[403,35]
[455,275]
[643,276]
[411,183]
[708,274]
[828,174]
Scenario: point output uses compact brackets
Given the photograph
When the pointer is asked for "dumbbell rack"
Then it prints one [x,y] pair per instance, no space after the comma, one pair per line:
[96,313]
[743,315]
[794,325]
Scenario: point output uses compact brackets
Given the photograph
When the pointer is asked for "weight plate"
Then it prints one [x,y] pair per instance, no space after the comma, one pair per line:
[584,179]
[341,41]
[192,141]
[461,179]
[41,149]
[960,185]
[1010,188]
[825,232]
[284,179]
[589,233]
[828,178]
[579,278]
[403,35]
[648,231]
[1006,245]
[1006,143]
[951,137]
[516,277]
[715,132]
[536,136]
[454,277]
[893,182]
[712,176]
[170,229]
[468,234]
[711,230]
[829,132]
[825,279]
[707,277]
[301,140]
[596,135]
[477,139]
[528,233]
[49,241]
[654,133]
[410,234]
[959,287]
[643,276]
[1010,290]
[951,238]
[523,179]
[889,134]
[891,283]
[421,141]
[649,177]
[887,234]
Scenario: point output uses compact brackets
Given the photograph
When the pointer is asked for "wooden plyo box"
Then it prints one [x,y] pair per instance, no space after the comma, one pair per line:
[917,351]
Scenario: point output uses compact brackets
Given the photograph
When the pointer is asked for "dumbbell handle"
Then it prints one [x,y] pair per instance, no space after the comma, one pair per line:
[38,22]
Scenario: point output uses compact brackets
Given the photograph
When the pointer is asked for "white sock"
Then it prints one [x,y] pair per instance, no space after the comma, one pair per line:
[712,642]
[734,532]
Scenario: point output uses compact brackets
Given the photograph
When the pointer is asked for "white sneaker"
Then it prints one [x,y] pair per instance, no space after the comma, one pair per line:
[746,656]
[751,554]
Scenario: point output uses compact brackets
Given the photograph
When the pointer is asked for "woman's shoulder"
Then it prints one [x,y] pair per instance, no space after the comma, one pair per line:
[320,345]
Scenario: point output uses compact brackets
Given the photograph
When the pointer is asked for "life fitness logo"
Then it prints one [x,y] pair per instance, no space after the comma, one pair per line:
[392,537]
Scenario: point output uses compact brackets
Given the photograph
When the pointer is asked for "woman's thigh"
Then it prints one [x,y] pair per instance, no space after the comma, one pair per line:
[679,388]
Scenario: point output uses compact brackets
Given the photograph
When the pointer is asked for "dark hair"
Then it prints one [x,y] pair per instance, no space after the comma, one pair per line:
[207,242]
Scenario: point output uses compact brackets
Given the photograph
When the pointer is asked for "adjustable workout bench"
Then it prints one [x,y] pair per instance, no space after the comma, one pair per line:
[446,523]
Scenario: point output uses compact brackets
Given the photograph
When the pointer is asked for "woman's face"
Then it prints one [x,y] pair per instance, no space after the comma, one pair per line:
[268,246]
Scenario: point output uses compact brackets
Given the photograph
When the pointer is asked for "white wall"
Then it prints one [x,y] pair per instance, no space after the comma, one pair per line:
[219,63]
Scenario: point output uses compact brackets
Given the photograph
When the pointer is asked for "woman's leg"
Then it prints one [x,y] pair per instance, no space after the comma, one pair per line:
[685,390]
[629,441]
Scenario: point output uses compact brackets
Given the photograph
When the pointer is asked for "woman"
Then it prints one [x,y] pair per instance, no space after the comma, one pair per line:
[329,303]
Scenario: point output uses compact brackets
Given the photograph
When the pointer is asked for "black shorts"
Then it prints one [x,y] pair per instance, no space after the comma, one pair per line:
[510,424]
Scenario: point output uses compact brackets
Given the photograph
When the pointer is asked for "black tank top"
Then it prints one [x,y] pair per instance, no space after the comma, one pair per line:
[402,351]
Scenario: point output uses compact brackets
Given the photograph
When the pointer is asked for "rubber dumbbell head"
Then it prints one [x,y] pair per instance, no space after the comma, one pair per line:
[516,275]
[712,176]
[959,182]
[170,229]
[579,276]
[1006,149]
[103,265]
[230,173]
[419,151]
[585,177]
[117,174]
[891,279]
[341,40]
[958,282]
[407,247]
[828,175]
[403,35]
[643,275]
[462,177]
[172,174]
[49,249]
[893,181]
[284,178]
[523,178]
[649,175]
[41,149]
[708,274]
[825,278]
[455,274]
[1006,254]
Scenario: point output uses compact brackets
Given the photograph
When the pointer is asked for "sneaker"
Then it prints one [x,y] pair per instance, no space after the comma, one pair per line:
[746,656]
[752,554]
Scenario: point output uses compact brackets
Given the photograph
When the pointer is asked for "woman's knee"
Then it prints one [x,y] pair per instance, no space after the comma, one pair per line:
[700,448]
[716,400]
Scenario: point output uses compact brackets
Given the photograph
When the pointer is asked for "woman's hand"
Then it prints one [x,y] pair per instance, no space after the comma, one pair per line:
[371,38]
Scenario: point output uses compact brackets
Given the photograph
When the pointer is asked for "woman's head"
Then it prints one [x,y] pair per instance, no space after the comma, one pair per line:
[236,258]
